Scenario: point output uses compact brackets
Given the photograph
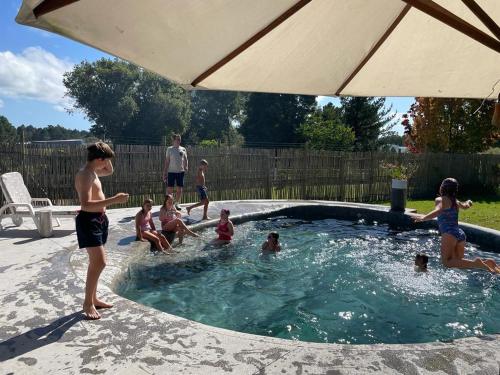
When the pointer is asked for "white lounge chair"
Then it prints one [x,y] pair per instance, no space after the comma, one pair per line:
[19,203]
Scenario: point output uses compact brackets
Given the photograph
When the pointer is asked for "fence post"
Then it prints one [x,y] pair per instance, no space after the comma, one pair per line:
[342,163]
[23,157]
[269,179]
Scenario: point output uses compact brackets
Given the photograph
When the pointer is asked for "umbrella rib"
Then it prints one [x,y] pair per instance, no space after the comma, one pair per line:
[483,17]
[436,11]
[374,49]
[259,35]
[48,6]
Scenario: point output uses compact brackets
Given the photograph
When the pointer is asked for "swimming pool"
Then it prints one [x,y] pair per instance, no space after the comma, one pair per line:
[335,281]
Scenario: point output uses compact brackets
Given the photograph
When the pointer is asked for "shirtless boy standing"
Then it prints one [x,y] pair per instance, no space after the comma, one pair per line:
[202,190]
[92,222]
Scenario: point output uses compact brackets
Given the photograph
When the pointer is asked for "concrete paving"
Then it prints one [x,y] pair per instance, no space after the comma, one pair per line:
[42,329]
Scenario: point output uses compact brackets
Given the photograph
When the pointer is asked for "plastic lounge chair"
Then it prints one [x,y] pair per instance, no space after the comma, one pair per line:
[19,203]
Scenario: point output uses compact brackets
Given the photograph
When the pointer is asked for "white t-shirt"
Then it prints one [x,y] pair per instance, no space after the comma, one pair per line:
[176,157]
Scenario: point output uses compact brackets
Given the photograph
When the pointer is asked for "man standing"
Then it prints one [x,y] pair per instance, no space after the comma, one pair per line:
[176,164]
[92,222]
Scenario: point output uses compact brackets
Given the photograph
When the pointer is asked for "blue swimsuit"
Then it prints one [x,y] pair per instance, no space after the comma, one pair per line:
[448,223]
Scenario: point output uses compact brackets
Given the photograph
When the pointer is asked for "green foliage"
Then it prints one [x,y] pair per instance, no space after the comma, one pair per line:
[7,131]
[368,117]
[400,171]
[49,132]
[127,104]
[324,131]
[215,113]
[275,118]
[209,143]
[391,138]
[451,125]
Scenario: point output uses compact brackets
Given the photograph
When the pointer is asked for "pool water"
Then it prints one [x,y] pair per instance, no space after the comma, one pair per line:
[334,281]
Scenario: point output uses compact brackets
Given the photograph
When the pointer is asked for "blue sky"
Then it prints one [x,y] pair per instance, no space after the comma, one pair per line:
[32,63]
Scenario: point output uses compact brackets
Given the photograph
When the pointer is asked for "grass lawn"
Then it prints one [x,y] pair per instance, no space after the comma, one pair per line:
[484,212]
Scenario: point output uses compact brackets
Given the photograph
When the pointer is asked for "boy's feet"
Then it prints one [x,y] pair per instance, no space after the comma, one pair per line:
[102,305]
[188,209]
[91,312]
[206,218]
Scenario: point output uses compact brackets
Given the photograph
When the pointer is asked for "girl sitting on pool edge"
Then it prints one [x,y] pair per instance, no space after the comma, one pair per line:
[272,243]
[225,229]
[146,231]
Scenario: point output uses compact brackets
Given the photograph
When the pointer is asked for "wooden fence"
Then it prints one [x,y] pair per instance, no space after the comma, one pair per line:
[244,173]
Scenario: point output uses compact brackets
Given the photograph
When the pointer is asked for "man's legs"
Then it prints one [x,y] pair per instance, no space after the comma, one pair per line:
[178,195]
[97,262]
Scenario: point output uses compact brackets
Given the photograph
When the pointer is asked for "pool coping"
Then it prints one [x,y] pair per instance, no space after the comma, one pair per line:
[41,331]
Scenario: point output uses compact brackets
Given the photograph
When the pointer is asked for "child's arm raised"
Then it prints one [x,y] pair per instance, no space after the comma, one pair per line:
[465,205]
[434,213]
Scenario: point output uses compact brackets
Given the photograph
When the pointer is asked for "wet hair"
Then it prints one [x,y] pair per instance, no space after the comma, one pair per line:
[166,199]
[99,150]
[449,189]
[274,235]
[421,260]
[226,211]
[203,162]
[146,201]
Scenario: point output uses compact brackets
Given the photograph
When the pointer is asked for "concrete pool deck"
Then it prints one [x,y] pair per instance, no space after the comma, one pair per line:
[42,329]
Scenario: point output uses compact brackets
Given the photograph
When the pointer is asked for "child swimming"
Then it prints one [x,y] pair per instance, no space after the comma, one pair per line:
[421,261]
[452,237]
[225,229]
[272,243]
[146,231]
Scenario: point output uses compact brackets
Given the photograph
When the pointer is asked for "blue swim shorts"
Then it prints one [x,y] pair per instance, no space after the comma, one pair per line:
[202,191]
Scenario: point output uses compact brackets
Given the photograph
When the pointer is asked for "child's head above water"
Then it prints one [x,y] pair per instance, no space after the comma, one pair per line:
[273,236]
[421,261]
[449,188]
[224,214]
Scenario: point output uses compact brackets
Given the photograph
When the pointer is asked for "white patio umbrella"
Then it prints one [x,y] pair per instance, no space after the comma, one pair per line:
[441,48]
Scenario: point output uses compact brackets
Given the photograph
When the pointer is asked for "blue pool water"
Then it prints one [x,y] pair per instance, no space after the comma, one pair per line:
[334,281]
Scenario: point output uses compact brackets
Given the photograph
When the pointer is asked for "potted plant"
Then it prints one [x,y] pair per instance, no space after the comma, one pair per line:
[400,174]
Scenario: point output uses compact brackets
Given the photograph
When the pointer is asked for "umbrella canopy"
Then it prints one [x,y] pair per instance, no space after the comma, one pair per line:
[441,48]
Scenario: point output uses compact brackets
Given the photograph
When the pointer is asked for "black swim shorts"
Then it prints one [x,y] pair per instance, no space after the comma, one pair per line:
[91,229]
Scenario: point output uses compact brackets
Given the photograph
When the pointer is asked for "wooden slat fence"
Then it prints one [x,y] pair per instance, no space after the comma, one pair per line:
[245,173]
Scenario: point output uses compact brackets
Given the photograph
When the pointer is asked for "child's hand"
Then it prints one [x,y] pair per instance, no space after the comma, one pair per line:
[418,219]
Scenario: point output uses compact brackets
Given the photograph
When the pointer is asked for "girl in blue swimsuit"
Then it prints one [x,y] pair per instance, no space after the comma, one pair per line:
[452,237]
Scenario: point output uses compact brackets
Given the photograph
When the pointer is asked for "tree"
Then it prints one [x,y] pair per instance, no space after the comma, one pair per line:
[49,132]
[450,125]
[368,117]
[126,103]
[391,138]
[7,131]
[275,118]
[215,113]
[323,130]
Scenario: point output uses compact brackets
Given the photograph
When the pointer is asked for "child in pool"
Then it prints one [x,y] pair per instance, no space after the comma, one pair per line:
[421,261]
[272,243]
[452,237]
[145,228]
[171,220]
[225,229]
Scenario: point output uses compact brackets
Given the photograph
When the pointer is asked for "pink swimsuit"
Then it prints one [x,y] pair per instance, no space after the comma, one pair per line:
[223,228]
[145,222]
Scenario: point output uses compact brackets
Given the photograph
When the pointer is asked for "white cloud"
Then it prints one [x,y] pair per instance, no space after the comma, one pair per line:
[34,74]
[1,103]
